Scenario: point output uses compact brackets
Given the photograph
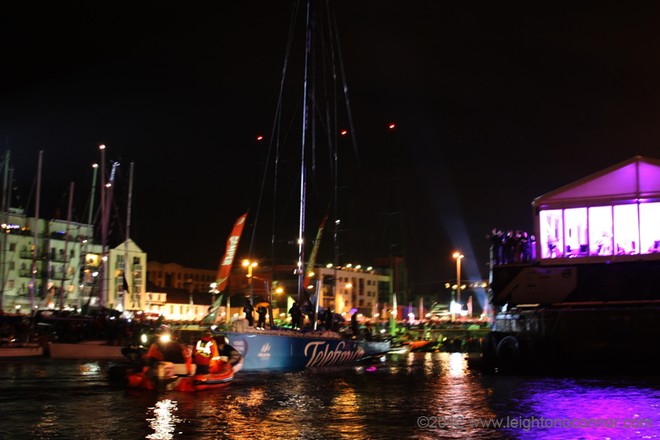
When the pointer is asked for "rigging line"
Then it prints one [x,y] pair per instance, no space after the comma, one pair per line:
[345,89]
[116,219]
[312,103]
[28,201]
[331,128]
[275,129]
[335,152]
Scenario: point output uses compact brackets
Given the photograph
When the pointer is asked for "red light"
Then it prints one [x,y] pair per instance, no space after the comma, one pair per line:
[344,132]
[260,138]
[392,126]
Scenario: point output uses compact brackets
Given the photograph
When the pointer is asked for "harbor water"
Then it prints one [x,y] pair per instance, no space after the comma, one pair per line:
[409,396]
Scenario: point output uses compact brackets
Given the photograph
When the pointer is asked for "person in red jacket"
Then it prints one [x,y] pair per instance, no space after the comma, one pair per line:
[205,353]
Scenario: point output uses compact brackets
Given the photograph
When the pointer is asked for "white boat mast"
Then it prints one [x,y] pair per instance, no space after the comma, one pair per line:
[128,268]
[35,247]
[65,260]
[3,243]
[104,231]
[303,176]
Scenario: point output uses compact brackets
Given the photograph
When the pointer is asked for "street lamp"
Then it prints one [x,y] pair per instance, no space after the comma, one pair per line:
[458,257]
[249,265]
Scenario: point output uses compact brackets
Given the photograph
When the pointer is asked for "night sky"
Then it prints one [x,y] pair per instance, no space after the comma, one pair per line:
[494,104]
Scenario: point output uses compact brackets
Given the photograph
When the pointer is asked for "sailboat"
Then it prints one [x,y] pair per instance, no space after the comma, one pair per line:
[293,349]
[95,349]
[280,349]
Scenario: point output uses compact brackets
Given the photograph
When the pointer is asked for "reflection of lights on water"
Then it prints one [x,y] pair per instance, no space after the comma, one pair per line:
[90,368]
[164,420]
[429,363]
[457,364]
[255,398]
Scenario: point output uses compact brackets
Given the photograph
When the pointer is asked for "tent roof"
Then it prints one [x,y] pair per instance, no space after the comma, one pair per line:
[632,179]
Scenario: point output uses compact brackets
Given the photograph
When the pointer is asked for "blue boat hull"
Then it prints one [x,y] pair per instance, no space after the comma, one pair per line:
[275,351]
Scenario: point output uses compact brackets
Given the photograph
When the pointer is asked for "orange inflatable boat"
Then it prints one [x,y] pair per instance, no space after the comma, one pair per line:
[169,376]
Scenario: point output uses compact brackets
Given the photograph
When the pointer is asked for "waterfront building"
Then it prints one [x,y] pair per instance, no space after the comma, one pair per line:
[357,288]
[613,213]
[55,264]
[41,261]
[177,292]
[589,299]
[165,275]
[184,293]
[126,280]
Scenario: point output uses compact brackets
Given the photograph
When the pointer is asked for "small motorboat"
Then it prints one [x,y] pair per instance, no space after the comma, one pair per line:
[11,349]
[176,377]
[420,345]
[87,350]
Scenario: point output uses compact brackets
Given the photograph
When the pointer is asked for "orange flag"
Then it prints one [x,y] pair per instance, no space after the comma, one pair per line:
[230,252]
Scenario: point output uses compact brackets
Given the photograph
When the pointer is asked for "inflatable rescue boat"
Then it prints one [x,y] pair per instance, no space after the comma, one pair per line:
[170,376]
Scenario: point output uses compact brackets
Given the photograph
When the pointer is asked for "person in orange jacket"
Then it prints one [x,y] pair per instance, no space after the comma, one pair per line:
[205,354]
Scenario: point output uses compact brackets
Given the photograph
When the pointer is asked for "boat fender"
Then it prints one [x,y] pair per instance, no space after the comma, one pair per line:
[508,353]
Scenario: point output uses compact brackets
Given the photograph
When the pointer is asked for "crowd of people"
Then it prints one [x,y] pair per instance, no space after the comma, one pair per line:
[512,247]
[300,316]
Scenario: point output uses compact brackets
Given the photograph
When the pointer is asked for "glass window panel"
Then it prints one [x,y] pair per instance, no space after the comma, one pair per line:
[575,232]
[600,230]
[551,228]
[649,223]
[626,230]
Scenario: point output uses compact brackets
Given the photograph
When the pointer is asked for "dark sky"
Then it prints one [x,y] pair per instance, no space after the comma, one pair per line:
[495,104]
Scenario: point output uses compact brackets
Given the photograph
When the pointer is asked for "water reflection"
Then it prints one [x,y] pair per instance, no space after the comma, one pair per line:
[457,364]
[47,423]
[394,399]
[164,421]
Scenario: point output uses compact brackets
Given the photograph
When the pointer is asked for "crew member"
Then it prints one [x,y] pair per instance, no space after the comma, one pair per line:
[205,353]
[261,322]
[248,310]
[228,353]
[355,327]
[166,348]
[296,316]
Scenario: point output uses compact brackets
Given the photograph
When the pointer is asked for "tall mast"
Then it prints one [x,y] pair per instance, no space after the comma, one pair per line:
[91,197]
[5,217]
[88,240]
[35,247]
[303,177]
[104,231]
[65,260]
[127,270]
[106,220]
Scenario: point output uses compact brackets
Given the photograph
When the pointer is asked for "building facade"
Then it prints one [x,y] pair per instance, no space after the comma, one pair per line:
[41,262]
[166,275]
[55,264]
[366,290]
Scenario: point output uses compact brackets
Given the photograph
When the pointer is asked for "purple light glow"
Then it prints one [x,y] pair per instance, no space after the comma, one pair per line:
[587,409]
[625,220]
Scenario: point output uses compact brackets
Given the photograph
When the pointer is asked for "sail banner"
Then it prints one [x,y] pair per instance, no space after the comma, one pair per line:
[232,245]
[212,314]
[315,251]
